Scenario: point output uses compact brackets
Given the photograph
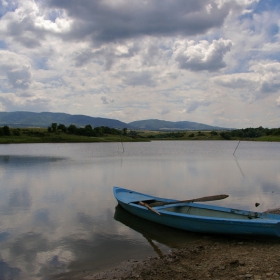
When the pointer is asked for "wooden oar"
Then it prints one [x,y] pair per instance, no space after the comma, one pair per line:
[201,199]
[149,207]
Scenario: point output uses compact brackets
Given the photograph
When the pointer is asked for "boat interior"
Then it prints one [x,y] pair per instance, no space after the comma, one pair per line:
[206,212]
[212,213]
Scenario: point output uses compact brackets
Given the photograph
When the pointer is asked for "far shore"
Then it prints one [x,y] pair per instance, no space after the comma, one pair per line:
[44,135]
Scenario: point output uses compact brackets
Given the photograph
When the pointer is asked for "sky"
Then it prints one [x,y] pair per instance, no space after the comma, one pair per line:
[215,62]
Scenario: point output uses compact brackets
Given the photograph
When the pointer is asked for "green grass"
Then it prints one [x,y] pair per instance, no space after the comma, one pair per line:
[183,135]
[203,135]
[41,135]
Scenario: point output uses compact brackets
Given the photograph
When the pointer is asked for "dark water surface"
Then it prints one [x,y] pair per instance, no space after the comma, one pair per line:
[58,213]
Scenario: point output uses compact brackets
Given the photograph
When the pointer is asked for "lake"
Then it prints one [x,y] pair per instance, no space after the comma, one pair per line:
[58,213]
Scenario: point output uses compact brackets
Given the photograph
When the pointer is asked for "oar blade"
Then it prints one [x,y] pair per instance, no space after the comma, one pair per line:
[211,198]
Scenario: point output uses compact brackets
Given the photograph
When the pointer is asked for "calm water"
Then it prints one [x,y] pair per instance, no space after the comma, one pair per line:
[58,213]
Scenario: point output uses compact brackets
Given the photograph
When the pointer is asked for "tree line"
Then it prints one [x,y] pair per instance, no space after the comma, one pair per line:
[71,129]
[168,135]
[250,132]
[246,133]
[5,130]
[85,131]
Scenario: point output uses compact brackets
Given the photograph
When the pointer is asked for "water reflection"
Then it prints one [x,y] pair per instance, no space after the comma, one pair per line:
[19,198]
[57,210]
[7,272]
[170,237]
[239,167]
[27,161]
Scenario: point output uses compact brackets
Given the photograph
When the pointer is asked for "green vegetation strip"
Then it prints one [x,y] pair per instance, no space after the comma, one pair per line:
[72,134]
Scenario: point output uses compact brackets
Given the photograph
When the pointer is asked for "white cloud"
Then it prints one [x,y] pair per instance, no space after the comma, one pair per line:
[202,56]
[16,69]
[139,58]
[195,104]
[220,112]
[106,101]
[278,101]
[263,80]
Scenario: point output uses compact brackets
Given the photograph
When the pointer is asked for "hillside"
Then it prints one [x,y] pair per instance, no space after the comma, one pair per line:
[45,119]
[154,124]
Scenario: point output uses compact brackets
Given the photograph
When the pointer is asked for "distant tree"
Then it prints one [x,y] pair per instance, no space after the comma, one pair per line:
[115,131]
[191,135]
[1,131]
[107,129]
[99,130]
[80,131]
[72,128]
[62,127]
[200,133]
[6,130]
[88,130]
[213,133]
[276,131]
[49,129]
[16,132]
[54,127]
[225,135]
[88,127]
[124,131]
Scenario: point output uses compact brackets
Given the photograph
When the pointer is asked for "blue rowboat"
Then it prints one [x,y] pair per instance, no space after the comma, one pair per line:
[197,217]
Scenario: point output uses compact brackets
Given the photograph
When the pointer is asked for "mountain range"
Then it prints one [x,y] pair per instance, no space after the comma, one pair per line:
[45,119]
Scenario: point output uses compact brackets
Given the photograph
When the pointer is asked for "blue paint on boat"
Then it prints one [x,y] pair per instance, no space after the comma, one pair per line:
[197,217]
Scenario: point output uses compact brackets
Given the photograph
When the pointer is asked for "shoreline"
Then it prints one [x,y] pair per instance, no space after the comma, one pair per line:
[218,257]
[211,257]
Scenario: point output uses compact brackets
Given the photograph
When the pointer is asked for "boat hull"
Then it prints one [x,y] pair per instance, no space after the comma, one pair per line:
[219,220]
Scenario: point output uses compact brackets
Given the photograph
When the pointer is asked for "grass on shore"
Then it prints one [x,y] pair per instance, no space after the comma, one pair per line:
[200,135]
[41,135]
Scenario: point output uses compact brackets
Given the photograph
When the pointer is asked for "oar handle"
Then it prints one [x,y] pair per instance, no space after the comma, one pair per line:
[149,207]
[201,199]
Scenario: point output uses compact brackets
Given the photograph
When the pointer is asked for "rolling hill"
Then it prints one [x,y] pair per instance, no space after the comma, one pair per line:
[45,119]
[154,124]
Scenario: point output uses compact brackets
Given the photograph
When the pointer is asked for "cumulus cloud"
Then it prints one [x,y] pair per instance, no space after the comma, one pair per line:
[195,104]
[219,112]
[107,21]
[106,101]
[15,69]
[262,80]
[165,111]
[77,56]
[269,74]
[19,78]
[106,55]
[235,81]
[6,6]
[142,78]
[202,56]
[21,26]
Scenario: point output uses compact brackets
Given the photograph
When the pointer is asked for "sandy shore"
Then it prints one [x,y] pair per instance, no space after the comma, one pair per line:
[211,257]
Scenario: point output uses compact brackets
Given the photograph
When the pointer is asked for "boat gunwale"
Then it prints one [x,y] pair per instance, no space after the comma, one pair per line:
[262,218]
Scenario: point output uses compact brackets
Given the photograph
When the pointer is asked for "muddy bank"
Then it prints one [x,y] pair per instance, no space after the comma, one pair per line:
[208,258]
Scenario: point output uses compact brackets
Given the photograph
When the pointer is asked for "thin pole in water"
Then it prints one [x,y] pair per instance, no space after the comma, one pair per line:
[122,143]
[236,147]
